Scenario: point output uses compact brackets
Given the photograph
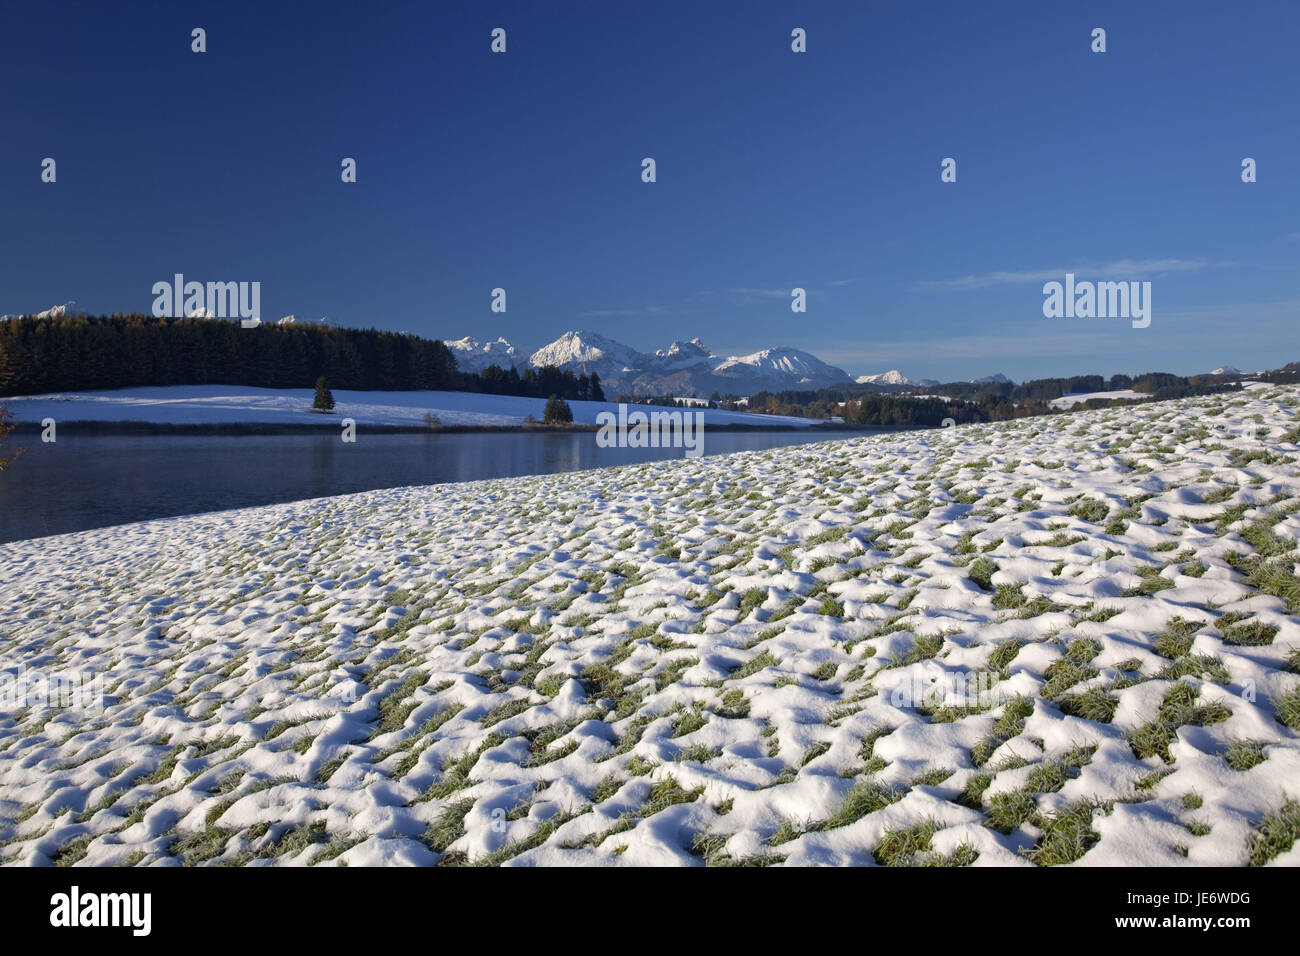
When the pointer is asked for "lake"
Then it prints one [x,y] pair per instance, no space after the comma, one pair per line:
[82,482]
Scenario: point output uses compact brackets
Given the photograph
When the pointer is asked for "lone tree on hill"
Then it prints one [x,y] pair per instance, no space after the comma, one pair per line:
[557,412]
[324,400]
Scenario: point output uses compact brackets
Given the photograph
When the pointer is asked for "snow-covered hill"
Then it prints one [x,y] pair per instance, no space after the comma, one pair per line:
[226,404]
[1082,398]
[1013,644]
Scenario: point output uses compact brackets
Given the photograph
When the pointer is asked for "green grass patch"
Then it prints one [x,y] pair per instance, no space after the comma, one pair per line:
[981,571]
[1241,755]
[1275,834]
[1180,707]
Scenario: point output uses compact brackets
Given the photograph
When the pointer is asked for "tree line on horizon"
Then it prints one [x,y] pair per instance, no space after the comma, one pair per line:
[967,402]
[963,402]
[76,352]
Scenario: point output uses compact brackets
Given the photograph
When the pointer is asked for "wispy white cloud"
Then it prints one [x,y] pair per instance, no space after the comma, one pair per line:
[1120,269]
[761,293]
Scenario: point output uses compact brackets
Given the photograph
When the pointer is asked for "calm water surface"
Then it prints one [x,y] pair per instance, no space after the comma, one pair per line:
[82,482]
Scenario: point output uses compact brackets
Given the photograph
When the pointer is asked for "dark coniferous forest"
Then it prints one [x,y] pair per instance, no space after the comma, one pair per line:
[63,353]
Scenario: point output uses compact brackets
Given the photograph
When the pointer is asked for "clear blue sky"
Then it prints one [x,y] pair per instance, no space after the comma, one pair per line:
[775,170]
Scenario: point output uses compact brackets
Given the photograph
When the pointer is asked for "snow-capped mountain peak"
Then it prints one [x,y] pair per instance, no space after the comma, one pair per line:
[796,364]
[581,348]
[474,356]
[892,377]
[692,349]
[55,311]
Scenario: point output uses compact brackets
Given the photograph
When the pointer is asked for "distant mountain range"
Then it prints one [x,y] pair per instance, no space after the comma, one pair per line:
[683,368]
[897,378]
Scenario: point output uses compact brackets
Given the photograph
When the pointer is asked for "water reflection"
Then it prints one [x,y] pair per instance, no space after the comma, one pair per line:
[84,482]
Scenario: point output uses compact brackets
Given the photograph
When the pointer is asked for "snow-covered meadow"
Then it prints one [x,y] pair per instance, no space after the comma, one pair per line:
[736,659]
[226,404]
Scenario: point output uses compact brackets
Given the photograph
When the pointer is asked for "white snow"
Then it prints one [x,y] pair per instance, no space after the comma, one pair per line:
[55,311]
[746,656]
[223,404]
[474,356]
[892,377]
[1081,398]
[586,348]
[796,364]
